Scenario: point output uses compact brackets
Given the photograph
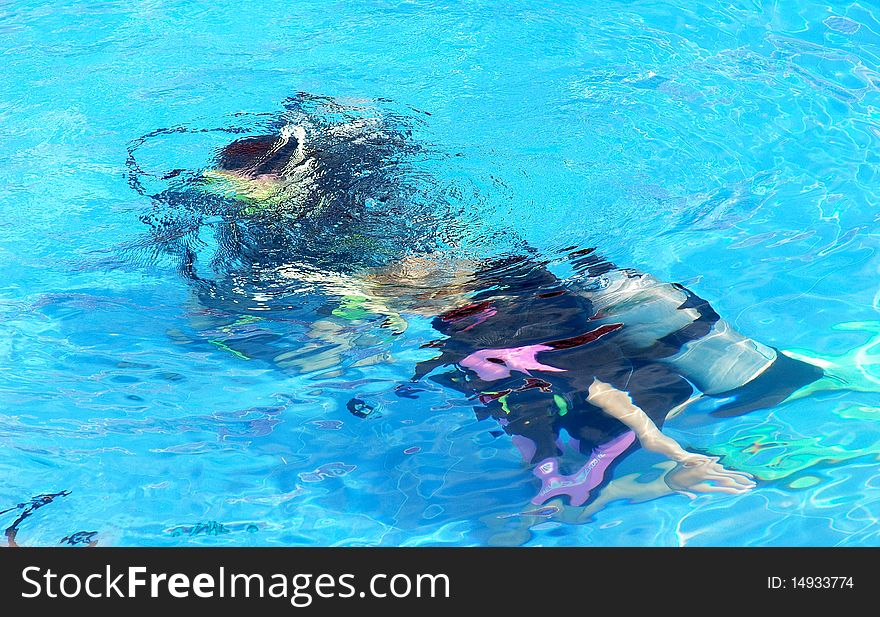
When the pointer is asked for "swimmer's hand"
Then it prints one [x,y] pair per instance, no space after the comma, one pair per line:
[703,474]
[694,472]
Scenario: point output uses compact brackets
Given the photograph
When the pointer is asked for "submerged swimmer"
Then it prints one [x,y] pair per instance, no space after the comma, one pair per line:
[530,352]
[605,356]
[506,349]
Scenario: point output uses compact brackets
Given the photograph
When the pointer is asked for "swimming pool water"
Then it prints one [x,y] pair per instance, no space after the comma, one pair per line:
[731,147]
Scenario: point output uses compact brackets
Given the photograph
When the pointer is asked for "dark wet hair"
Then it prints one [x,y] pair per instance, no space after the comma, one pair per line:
[258,155]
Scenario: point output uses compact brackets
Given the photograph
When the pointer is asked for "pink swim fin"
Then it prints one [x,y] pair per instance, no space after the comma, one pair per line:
[578,485]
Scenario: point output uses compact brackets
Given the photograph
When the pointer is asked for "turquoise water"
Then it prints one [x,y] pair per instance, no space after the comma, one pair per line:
[731,148]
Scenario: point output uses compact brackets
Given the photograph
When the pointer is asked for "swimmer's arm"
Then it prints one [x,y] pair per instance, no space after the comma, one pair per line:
[617,404]
[359,288]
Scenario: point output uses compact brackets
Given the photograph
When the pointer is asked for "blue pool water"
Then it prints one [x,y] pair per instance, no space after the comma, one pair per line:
[728,146]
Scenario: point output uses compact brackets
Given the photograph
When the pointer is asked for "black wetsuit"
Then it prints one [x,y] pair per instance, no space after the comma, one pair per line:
[527,305]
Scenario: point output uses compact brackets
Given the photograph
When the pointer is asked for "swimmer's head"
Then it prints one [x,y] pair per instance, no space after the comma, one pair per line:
[253,169]
[247,155]
[264,155]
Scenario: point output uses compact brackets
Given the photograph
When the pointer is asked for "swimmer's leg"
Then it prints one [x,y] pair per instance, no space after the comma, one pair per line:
[799,373]
[670,324]
[784,378]
[857,369]
[793,375]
